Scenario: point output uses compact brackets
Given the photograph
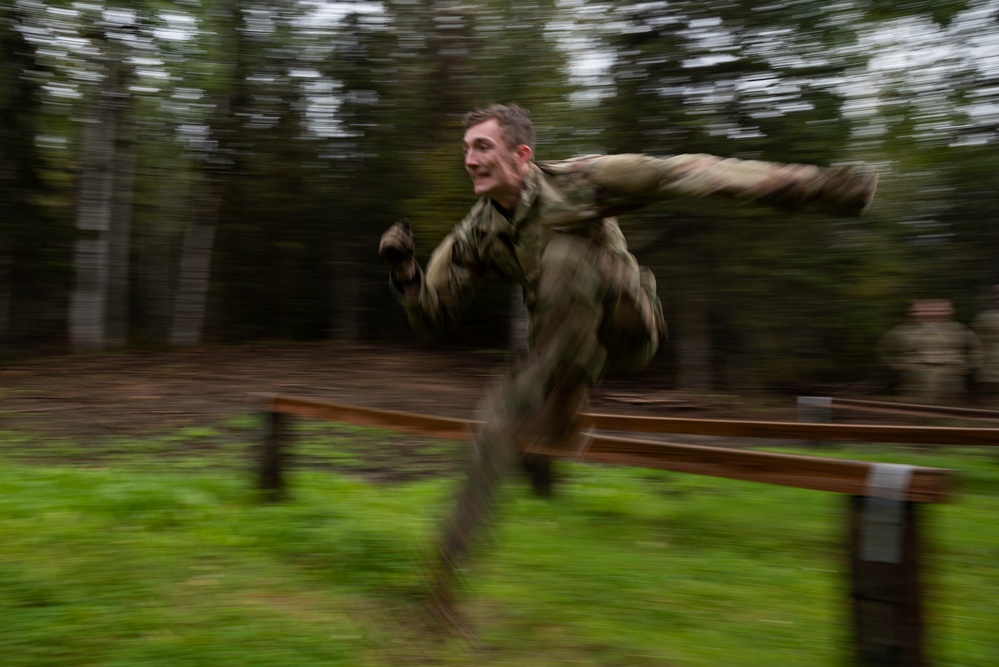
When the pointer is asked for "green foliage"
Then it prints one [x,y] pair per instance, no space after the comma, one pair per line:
[941,12]
[299,134]
[34,252]
[744,271]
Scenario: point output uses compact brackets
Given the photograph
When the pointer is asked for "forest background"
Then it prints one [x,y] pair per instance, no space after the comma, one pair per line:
[217,172]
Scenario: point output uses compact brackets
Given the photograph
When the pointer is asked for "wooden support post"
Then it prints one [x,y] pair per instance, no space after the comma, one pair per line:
[539,470]
[815,410]
[271,456]
[884,566]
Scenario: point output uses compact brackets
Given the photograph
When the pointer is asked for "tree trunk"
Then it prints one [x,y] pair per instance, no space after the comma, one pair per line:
[195,268]
[120,235]
[157,237]
[93,222]
[193,279]
[345,315]
[5,291]
[105,191]
[693,332]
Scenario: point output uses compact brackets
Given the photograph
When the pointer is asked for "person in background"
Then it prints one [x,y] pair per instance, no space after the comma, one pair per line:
[550,228]
[986,325]
[934,356]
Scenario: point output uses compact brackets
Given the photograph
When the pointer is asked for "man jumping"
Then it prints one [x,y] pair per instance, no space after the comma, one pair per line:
[550,228]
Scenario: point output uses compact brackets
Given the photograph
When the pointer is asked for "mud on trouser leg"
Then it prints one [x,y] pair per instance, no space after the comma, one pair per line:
[490,462]
[513,414]
[542,397]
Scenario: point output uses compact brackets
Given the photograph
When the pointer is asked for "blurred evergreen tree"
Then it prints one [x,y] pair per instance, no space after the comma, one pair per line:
[751,292]
[367,172]
[274,140]
[34,243]
[931,113]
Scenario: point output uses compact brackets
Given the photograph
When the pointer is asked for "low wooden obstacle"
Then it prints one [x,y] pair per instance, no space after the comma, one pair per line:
[883,507]
[821,408]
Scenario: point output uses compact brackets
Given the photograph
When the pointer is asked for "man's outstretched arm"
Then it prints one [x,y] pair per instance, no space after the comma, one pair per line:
[433,300]
[842,190]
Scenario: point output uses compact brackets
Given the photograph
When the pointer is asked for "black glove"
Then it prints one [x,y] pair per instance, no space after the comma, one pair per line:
[397,248]
[849,190]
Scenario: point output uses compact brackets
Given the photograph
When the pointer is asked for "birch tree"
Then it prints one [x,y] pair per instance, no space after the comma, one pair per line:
[95,201]
[227,87]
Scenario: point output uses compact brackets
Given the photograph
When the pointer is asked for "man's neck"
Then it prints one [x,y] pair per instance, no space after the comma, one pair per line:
[507,212]
[507,203]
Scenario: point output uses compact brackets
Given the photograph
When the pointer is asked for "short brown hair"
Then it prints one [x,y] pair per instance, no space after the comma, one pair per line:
[514,120]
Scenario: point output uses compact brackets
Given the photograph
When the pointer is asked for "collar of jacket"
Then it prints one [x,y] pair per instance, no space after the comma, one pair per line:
[528,194]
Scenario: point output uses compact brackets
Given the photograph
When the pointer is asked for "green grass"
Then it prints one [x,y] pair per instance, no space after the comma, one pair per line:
[157,551]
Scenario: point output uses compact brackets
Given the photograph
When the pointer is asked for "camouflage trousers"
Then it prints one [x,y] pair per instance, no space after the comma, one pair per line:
[941,384]
[591,309]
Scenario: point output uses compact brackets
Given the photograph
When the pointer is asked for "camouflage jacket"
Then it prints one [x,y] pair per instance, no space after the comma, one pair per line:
[986,325]
[582,195]
[909,347]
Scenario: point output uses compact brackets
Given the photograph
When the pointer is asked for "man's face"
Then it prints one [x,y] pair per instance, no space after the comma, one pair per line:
[495,168]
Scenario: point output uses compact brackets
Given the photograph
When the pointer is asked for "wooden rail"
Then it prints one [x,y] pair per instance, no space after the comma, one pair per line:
[913,435]
[460,429]
[928,485]
[884,499]
[893,408]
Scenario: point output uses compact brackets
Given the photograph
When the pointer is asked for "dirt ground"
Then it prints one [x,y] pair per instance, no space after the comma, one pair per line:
[135,392]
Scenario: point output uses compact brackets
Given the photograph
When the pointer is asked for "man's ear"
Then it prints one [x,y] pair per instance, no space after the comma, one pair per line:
[524,153]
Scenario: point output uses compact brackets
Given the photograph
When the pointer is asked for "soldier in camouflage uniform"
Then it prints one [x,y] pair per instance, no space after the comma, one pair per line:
[934,355]
[986,325]
[550,227]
